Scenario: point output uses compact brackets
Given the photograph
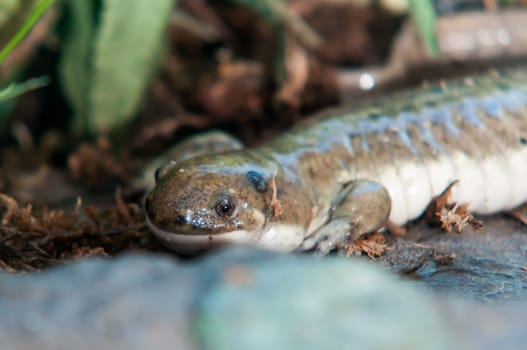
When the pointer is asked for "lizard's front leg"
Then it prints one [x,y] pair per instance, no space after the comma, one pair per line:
[361,207]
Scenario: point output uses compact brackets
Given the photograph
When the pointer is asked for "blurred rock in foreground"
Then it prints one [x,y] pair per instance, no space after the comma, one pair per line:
[242,299]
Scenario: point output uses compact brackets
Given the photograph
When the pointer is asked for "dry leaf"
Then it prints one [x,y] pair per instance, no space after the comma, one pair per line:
[438,203]
[457,218]
[373,245]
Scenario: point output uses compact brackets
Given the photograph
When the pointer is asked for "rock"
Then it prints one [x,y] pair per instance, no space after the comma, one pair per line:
[487,265]
[308,303]
[241,298]
[134,302]
[487,326]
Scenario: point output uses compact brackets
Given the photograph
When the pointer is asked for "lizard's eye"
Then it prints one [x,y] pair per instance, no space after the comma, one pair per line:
[225,207]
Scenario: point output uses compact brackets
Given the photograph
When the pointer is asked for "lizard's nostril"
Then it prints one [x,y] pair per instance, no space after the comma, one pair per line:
[180,220]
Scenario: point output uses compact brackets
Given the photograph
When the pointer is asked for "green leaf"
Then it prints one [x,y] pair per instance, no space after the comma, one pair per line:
[29,22]
[15,89]
[126,53]
[8,93]
[74,65]
[424,17]
[13,13]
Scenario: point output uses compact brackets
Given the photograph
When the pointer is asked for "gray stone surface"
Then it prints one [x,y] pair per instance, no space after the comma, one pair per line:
[487,265]
[488,326]
[128,303]
[306,303]
[239,299]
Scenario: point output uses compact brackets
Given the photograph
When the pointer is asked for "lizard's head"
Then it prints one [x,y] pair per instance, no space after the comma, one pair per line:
[209,200]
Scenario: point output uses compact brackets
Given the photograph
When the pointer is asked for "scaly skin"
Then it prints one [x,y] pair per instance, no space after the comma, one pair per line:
[341,174]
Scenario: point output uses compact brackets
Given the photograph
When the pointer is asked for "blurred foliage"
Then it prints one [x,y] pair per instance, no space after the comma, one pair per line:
[15,89]
[13,13]
[20,19]
[105,66]
[424,16]
[109,49]
[75,60]
[279,17]
[272,11]
[17,17]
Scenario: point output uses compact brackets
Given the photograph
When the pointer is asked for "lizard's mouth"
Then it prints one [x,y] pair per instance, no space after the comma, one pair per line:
[192,242]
